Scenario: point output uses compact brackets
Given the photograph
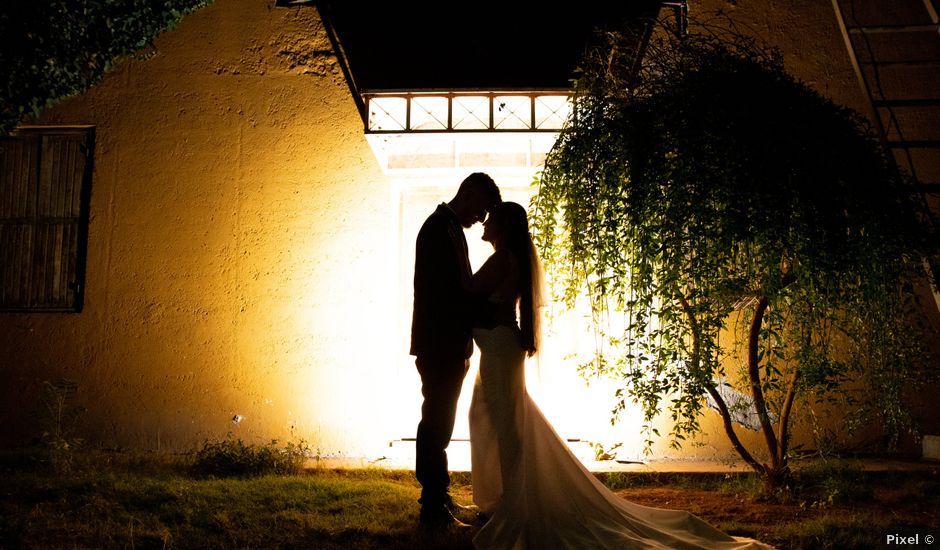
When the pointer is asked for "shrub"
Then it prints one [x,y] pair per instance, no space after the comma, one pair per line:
[235,458]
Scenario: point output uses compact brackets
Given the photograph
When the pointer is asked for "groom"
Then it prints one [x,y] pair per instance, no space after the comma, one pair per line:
[440,334]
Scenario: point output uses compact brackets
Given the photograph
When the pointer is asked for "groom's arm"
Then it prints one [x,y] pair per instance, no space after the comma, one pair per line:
[437,267]
[440,321]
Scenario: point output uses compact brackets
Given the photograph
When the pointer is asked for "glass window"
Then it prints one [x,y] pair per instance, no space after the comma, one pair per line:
[471,112]
[551,111]
[388,113]
[512,112]
[429,113]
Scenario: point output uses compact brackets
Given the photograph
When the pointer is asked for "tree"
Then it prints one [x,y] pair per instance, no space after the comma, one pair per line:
[56,48]
[713,184]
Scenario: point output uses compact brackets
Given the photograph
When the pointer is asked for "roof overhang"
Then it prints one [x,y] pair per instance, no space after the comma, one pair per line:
[481,46]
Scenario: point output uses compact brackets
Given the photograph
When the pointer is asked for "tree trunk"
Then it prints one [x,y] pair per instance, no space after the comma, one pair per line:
[778,471]
[722,406]
[753,371]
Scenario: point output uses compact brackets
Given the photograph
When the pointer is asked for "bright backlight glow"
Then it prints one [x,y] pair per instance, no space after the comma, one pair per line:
[425,170]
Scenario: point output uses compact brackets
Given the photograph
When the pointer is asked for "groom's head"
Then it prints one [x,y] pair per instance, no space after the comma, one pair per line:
[475,197]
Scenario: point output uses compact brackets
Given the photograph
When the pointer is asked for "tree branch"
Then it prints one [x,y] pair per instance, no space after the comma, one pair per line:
[732,436]
[753,371]
[784,432]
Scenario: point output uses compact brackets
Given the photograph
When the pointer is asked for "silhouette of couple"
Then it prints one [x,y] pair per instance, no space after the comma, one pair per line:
[529,488]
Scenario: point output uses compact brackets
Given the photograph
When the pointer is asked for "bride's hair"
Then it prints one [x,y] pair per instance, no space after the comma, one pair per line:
[515,226]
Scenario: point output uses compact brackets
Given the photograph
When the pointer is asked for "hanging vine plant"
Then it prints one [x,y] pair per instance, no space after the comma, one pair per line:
[54,49]
[714,186]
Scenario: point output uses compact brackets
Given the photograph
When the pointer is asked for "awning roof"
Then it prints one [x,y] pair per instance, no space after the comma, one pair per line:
[483,45]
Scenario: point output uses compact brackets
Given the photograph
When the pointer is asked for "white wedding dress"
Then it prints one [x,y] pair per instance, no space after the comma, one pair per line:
[536,493]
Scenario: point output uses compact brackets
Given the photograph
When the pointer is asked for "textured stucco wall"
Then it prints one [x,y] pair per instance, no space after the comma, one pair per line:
[243,241]
[236,245]
[806,33]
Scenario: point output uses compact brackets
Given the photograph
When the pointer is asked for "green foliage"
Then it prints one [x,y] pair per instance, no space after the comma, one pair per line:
[826,483]
[54,48]
[602,453]
[832,532]
[714,186]
[235,458]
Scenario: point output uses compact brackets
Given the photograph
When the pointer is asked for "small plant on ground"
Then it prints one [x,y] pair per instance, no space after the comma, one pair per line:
[235,458]
[59,418]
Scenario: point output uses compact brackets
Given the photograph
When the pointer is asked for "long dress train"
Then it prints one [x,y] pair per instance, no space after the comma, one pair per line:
[536,493]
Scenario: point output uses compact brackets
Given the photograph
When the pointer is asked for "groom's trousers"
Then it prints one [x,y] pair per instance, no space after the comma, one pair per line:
[441,380]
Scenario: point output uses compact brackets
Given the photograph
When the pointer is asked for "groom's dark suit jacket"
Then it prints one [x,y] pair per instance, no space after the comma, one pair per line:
[440,326]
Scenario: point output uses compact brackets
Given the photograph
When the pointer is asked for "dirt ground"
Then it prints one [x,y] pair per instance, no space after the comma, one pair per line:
[903,503]
[715,506]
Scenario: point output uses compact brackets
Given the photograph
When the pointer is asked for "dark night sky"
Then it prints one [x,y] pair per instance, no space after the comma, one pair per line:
[463,45]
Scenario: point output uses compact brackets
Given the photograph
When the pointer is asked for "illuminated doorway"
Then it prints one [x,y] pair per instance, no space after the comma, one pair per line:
[425,163]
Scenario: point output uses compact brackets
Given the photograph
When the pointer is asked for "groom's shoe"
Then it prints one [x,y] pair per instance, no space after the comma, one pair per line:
[471,511]
[439,519]
[455,508]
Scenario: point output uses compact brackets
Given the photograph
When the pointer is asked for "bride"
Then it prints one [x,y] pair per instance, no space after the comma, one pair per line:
[525,479]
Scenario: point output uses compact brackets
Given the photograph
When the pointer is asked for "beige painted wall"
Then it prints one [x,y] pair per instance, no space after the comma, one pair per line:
[806,33]
[234,256]
[243,246]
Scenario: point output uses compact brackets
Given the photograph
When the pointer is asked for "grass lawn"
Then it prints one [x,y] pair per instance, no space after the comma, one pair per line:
[120,500]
